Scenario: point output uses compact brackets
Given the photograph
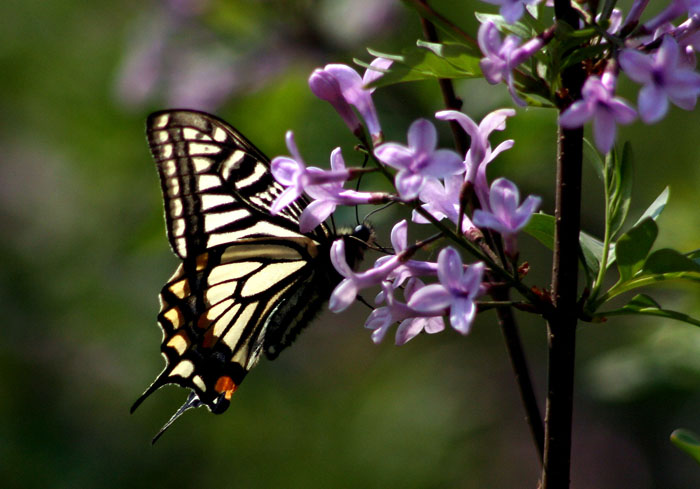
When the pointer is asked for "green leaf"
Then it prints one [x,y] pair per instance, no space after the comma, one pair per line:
[419,63]
[633,247]
[461,56]
[519,29]
[668,261]
[586,53]
[687,441]
[645,305]
[592,250]
[541,227]
[621,189]
[592,155]
[656,207]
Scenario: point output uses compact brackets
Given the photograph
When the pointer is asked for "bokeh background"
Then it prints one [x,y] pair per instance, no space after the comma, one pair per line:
[83,256]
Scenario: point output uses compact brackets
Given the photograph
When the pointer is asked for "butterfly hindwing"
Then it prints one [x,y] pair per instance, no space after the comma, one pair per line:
[214,319]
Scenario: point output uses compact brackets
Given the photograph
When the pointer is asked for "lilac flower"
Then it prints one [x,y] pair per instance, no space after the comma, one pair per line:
[512,10]
[374,72]
[505,216]
[457,290]
[407,268]
[480,154]
[675,9]
[615,20]
[664,77]
[326,87]
[346,292]
[503,57]
[635,12]
[419,160]
[480,145]
[327,196]
[688,36]
[442,201]
[293,174]
[600,104]
[352,91]
[412,322]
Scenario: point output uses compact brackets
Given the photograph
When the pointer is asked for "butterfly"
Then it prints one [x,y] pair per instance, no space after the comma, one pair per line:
[249,281]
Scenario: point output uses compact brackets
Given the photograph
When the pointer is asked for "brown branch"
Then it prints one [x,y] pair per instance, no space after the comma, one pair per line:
[561,327]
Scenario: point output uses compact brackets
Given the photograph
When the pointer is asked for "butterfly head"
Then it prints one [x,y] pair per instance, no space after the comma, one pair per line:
[357,241]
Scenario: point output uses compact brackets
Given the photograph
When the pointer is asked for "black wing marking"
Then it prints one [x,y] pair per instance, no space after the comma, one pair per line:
[216,185]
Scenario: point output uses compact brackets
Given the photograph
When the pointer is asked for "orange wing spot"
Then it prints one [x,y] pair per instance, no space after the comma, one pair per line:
[202,261]
[180,342]
[203,322]
[209,339]
[226,386]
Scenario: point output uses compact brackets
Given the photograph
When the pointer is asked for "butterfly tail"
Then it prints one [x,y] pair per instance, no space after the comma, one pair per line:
[191,402]
[160,381]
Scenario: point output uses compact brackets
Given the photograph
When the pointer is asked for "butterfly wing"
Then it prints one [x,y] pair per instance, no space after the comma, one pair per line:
[243,270]
[217,186]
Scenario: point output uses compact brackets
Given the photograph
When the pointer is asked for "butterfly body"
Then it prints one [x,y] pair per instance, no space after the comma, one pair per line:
[249,281]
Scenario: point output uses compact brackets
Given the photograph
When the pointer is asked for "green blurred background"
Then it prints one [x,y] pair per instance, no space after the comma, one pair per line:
[83,256]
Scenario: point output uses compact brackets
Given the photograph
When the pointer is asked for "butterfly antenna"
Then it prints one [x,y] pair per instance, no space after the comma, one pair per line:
[363,301]
[335,232]
[191,402]
[369,214]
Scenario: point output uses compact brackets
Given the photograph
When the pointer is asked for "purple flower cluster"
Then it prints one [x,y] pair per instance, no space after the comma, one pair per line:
[657,55]
[414,293]
[451,191]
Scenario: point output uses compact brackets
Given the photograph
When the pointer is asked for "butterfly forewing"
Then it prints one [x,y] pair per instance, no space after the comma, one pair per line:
[217,186]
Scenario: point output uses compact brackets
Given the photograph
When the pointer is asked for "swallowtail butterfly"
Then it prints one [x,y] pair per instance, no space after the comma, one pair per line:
[249,281]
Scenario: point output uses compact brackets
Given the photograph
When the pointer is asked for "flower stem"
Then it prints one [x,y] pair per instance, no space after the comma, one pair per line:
[516,353]
[561,327]
[505,314]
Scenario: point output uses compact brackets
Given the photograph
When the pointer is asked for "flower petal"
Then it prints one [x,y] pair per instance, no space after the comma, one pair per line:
[374,74]
[409,329]
[433,298]
[450,268]
[343,295]
[314,214]
[408,184]
[399,236]
[604,130]
[286,170]
[338,259]
[444,163]
[462,314]
[422,136]
[636,65]
[653,103]
[394,155]
[289,195]
[576,115]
